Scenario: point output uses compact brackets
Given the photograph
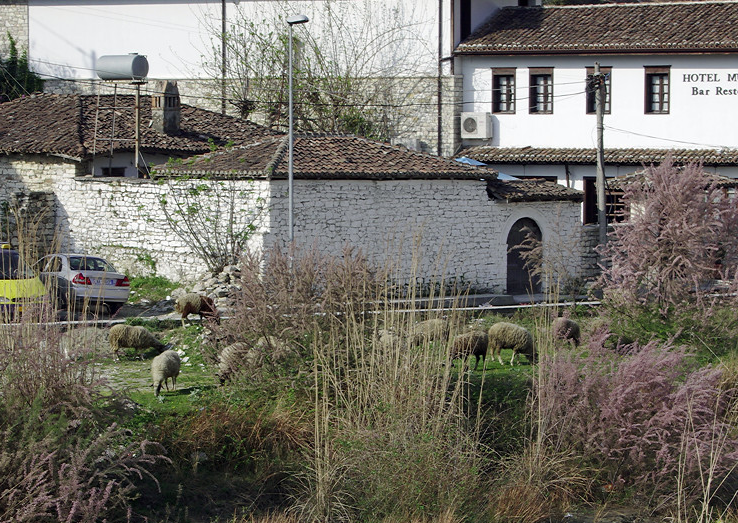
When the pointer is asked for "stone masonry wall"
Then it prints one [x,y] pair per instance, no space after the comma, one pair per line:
[425,229]
[13,20]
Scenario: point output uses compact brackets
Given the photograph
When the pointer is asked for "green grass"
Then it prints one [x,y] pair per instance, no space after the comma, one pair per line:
[151,288]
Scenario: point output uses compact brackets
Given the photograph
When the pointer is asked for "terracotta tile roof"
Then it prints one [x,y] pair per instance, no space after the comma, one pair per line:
[327,157]
[527,155]
[531,190]
[616,28]
[619,182]
[351,157]
[68,125]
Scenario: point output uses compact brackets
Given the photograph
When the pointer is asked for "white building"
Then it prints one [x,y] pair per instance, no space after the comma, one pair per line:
[671,78]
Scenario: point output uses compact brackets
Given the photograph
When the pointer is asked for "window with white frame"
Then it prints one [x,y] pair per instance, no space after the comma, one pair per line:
[657,90]
[541,90]
[503,90]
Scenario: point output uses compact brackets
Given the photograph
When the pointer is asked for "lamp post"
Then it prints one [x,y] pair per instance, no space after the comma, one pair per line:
[291,20]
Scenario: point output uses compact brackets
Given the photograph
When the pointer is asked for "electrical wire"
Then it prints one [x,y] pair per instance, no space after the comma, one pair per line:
[348,103]
[683,142]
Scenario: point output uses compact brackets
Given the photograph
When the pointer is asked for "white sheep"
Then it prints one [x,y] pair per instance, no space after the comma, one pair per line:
[193,303]
[230,359]
[472,343]
[242,356]
[505,335]
[164,366]
[135,337]
[429,330]
[388,339]
[566,329]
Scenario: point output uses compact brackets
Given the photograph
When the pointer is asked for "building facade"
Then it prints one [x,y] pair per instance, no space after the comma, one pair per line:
[671,88]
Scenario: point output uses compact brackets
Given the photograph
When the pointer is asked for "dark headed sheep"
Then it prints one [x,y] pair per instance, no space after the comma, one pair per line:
[193,303]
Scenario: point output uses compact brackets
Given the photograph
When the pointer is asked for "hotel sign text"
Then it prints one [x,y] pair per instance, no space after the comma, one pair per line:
[708,78]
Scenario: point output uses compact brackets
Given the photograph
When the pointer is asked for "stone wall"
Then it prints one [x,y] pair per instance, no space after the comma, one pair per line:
[28,222]
[13,20]
[424,229]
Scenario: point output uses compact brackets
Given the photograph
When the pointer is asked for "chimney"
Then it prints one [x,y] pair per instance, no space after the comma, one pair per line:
[165,108]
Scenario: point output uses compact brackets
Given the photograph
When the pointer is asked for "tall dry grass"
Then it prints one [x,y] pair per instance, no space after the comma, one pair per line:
[63,454]
[394,433]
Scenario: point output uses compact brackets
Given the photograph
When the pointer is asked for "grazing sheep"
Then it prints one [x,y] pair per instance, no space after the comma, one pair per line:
[388,339]
[230,359]
[128,336]
[429,330]
[505,335]
[241,355]
[165,366]
[566,329]
[193,303]
[472,343]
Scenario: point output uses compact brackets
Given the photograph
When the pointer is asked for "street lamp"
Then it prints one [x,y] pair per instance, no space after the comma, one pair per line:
[291,20]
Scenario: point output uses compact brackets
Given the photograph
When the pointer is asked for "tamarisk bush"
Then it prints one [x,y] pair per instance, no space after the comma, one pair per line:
[647,416]
[678,234]
[62,458]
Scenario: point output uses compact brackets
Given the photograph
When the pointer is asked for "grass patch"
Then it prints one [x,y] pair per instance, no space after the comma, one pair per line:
[150,288]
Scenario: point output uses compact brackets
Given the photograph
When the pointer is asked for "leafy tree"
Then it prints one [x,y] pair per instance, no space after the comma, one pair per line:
[16,79]
[679,235]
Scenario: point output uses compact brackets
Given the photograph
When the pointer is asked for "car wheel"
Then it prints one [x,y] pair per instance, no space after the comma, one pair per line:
[114,307]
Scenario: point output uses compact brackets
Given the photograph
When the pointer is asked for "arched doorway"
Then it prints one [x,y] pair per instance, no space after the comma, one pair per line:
[519,279]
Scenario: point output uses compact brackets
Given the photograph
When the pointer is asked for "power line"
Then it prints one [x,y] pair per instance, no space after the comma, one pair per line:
[683,142]
[369,105]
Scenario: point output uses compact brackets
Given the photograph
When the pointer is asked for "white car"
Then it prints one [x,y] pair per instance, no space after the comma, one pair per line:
[82,281]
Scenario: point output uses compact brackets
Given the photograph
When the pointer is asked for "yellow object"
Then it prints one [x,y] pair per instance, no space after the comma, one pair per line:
[19,285]
[18,290]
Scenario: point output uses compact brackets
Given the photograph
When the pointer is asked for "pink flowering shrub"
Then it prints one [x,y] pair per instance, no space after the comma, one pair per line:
[679,233]
[647,416]
[62,457]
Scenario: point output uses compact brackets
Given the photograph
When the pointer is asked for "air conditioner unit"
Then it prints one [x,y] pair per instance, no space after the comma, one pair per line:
[476,125]
[411,144]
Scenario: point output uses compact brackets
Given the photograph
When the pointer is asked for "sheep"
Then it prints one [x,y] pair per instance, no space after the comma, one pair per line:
[193,303]
[429,330]
[566,329]
[164,366]
[230,358]
[241,355]
[128,336]
[505,335]
[472,343]
[388,339]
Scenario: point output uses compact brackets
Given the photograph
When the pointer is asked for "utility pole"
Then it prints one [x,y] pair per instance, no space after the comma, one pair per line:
[599,84]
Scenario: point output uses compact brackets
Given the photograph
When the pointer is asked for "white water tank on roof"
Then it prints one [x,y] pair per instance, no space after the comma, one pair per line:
[131,66]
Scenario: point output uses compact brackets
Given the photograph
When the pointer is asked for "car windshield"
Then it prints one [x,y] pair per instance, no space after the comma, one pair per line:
[83,263]
[12,268]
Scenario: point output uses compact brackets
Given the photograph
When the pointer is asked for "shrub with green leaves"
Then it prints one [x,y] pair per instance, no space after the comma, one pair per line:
[16,77]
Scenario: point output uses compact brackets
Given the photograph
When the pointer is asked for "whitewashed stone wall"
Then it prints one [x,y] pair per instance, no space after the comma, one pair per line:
[425,229]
